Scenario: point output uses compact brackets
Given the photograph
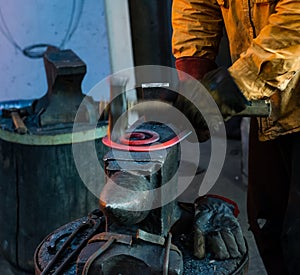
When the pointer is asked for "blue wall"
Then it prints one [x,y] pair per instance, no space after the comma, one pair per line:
[39,21]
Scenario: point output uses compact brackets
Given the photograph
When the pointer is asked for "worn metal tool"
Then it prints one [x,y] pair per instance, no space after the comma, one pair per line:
[65,72]
[257,108]
[75,240]
[118,120]
[155,92]
[16,116]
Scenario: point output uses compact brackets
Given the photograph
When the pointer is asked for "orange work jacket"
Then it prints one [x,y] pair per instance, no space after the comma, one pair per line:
[264,41]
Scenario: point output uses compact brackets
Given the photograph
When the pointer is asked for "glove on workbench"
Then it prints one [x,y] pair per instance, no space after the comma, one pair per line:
[217,229]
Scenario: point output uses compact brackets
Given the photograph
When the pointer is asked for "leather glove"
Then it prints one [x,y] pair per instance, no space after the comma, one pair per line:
[225,92]
[217,230]
[189,69]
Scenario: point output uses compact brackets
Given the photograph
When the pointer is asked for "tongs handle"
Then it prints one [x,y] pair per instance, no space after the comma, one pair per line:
[256,108]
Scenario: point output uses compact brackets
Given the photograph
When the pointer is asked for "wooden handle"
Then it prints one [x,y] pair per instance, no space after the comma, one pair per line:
[19,123]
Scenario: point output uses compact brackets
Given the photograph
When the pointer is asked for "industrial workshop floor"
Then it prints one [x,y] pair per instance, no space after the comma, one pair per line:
[229,184]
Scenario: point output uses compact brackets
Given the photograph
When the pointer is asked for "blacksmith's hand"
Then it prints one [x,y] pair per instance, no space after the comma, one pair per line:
[225,92]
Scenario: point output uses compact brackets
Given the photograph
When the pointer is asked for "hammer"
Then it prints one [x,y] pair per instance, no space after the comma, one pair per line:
[15,115]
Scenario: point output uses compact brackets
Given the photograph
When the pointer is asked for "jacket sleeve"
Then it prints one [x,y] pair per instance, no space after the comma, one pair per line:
[273,58]
[197,30]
